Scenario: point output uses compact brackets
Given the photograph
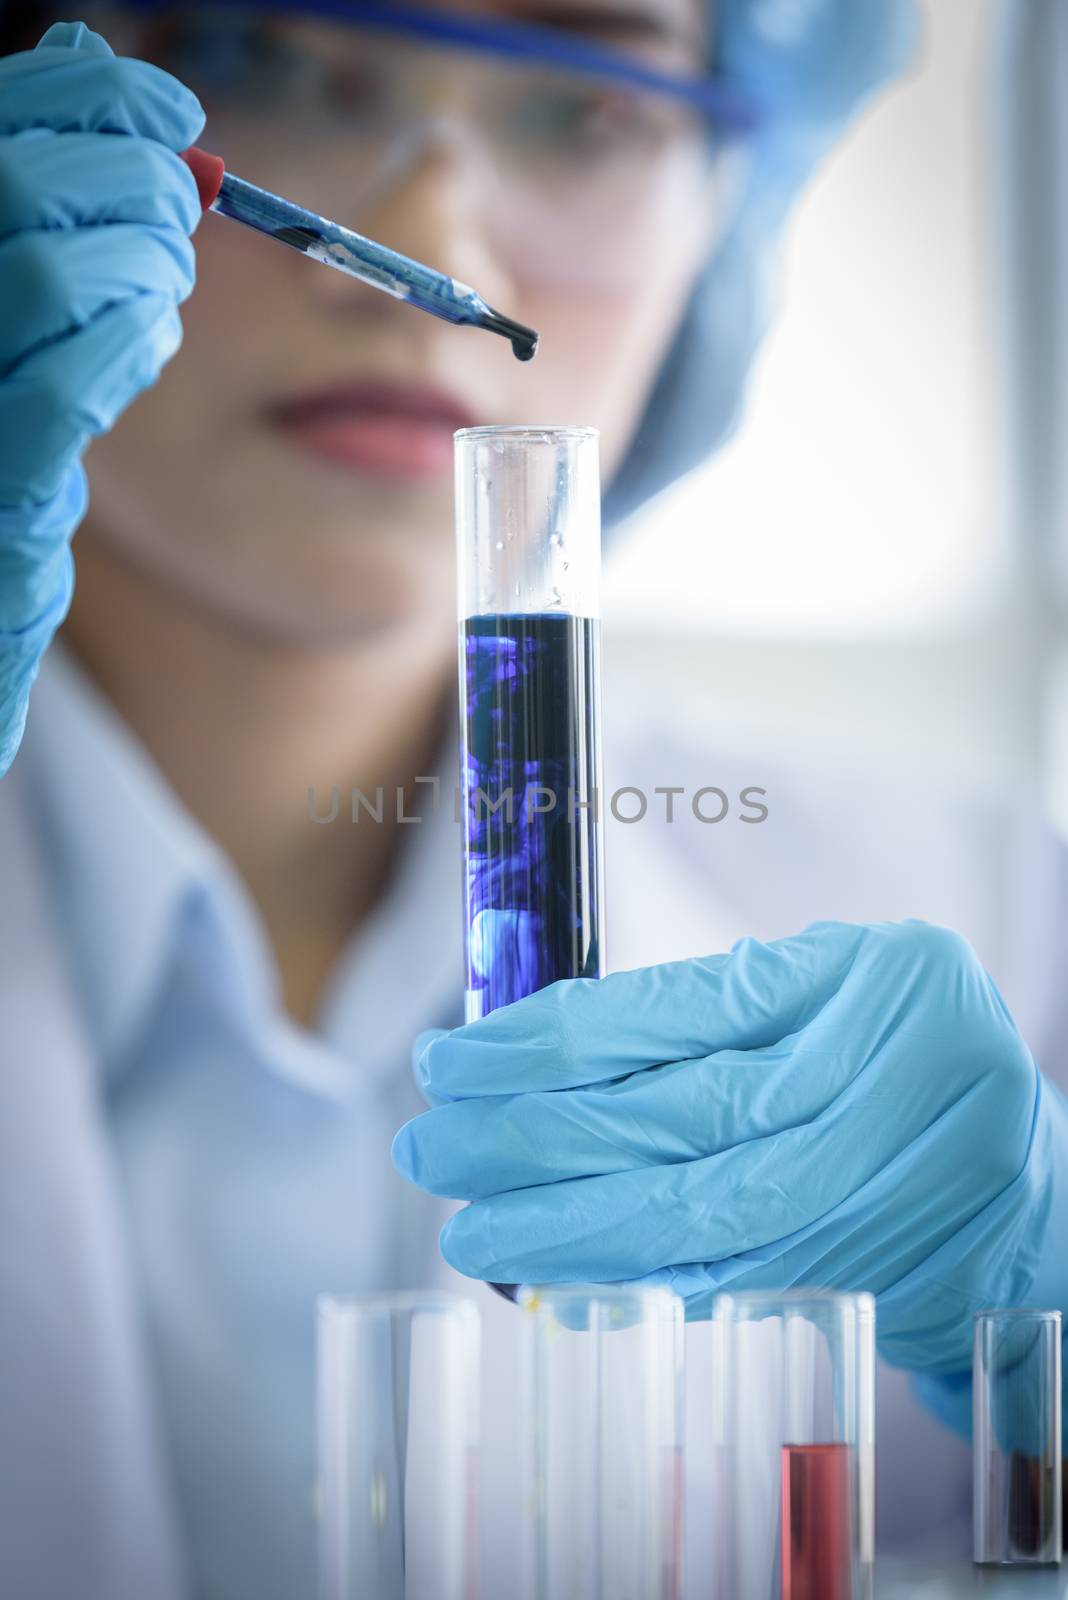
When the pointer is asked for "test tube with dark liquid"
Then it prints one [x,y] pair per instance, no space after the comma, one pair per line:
[1017,1438]
[528,535]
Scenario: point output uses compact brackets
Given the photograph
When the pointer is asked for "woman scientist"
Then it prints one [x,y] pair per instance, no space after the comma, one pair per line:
[207,1002]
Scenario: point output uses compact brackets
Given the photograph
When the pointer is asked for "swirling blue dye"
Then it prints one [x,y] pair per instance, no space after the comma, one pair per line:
[530,709]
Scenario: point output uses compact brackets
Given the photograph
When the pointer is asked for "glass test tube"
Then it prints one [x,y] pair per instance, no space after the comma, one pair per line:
[1016,1437]
[398,1447]
[528,536]
[799,1518]
[604,1370]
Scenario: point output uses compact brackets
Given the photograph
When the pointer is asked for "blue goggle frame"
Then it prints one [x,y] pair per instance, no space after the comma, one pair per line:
[724,107]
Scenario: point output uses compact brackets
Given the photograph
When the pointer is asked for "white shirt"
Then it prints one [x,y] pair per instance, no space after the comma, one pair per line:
[253,1154]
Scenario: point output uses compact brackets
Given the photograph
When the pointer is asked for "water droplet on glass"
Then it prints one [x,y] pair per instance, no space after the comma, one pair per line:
[379,1499]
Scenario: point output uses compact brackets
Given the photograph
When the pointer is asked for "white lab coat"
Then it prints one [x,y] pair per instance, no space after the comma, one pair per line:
[85,1506]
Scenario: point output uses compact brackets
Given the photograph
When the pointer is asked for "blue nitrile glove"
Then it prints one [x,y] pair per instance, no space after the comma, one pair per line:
[96,210]
[852,1107]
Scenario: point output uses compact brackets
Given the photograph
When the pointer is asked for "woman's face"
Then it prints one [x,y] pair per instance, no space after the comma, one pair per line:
[291,471]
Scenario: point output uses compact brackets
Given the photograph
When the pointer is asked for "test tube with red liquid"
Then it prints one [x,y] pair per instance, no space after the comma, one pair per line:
[799,1490]
[816,1522]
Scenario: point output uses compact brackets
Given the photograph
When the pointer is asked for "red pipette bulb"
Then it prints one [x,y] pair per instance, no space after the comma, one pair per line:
[208,170]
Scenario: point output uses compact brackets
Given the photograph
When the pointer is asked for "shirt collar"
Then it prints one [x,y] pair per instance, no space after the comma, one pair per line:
[127,858]
[140,886]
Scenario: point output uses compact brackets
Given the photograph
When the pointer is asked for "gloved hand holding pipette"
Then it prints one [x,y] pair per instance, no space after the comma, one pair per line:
[852,1107]
[96,210]
[95,258]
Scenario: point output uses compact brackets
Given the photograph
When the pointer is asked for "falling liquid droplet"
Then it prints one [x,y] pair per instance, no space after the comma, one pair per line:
[500,544]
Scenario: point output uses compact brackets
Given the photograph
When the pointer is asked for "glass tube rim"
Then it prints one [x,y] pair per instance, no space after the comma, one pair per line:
[1014,1314]
[403,1300]
[859,1300]
[525,431]
[532,1297]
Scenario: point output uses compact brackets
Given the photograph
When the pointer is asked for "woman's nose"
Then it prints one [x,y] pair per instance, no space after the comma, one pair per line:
[431,196]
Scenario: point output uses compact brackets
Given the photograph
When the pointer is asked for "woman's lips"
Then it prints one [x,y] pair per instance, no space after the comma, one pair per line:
[394,430]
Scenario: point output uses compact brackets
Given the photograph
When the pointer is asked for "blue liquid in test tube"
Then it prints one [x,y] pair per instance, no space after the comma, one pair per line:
[528,525]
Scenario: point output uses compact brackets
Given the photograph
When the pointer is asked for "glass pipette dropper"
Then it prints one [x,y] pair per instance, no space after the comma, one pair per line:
[350,252]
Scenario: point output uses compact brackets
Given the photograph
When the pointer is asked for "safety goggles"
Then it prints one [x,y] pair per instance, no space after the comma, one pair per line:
[580,156]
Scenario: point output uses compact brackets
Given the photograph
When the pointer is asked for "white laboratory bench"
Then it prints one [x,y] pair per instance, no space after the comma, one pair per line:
[903,1581]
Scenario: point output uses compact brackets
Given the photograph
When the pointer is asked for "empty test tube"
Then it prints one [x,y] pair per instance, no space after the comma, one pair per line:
[398,1447]
[604,1369]
[528,540]
[1016,1438]
[799,1480]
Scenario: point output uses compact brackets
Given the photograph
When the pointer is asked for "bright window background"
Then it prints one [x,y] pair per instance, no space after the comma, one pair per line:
[839,575]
